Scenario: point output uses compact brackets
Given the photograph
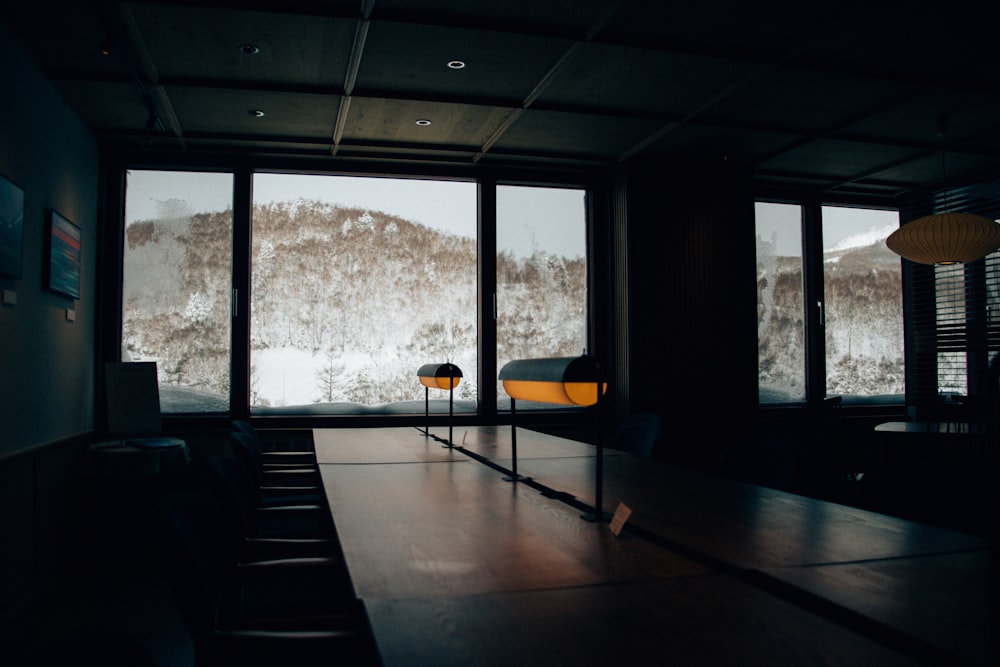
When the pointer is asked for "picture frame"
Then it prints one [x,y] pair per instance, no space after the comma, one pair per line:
[11,227]
[65,244]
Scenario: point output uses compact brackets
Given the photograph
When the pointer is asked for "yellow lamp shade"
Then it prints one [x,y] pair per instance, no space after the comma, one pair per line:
[945,238]
[439,376]
[562,380]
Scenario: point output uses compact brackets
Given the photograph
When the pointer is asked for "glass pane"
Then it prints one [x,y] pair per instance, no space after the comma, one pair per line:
[864,303]
[356,283]
[780,325]
[541,275]
[177,284]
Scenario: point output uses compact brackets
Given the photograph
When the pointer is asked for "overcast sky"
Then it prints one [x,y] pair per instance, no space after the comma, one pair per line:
[843,227]
[542,218]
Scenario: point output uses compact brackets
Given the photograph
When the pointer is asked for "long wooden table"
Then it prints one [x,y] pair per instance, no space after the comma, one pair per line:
[457,566]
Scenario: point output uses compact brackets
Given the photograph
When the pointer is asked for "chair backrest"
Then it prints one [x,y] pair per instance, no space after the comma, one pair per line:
[231,484]
[198,554]
[638,434]
[243,426]
[246,449]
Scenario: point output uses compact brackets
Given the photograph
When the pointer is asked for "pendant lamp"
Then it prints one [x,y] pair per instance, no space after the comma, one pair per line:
[945,238]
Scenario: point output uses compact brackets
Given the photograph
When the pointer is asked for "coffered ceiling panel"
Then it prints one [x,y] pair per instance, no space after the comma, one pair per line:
[845,97]
[234,112]
[286,51]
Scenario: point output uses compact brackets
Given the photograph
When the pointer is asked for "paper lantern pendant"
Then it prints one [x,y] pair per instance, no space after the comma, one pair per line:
[945,238]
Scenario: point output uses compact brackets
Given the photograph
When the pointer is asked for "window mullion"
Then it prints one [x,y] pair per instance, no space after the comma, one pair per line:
[487,323]
[815,334]
[239,398]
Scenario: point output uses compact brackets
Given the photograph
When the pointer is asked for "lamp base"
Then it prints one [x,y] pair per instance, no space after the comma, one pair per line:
[518,478]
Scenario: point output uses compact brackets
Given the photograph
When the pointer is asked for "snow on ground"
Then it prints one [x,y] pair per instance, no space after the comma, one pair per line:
[286,376]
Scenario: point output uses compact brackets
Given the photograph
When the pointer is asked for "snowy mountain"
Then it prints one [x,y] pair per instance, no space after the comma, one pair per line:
[346,304]
[863,320]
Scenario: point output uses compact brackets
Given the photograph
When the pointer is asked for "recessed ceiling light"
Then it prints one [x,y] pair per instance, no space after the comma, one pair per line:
[256,113]
[456,64]
[423,122]
[249,49]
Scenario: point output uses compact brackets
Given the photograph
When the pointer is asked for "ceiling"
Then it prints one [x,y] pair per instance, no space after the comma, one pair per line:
[853,98]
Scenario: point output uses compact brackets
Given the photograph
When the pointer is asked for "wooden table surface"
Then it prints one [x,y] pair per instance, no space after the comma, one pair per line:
[449,557]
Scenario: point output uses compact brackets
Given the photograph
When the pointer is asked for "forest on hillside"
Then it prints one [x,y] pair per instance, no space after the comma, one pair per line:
[346,303]
[864,323]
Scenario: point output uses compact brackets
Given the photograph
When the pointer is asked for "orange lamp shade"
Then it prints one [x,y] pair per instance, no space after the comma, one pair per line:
[439,376]
[562,380]
[945,238]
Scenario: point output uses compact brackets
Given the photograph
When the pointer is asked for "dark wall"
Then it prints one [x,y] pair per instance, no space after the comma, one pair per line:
[46,360]
[690,295]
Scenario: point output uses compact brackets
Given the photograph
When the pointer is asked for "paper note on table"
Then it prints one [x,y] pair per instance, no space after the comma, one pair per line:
[622,513]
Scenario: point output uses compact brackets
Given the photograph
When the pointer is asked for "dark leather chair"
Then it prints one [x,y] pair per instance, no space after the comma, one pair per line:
[254,614]
[283,451]
[303,516]
[638,434]
[270,478]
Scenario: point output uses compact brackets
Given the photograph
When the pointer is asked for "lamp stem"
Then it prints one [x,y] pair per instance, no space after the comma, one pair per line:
[598,514]
[513,438]
[599,492]
[513,441]
[451,408]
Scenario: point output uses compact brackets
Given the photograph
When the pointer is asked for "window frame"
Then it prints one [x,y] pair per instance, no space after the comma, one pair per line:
[814,300]
[593,181]
[588,212]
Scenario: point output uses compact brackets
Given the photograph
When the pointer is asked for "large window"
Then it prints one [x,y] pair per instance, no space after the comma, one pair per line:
[541,297]
[953,316]
[863,297]
[177,284]
[780,304]
[830,321]
[356,283]
[965,326]
[351,284]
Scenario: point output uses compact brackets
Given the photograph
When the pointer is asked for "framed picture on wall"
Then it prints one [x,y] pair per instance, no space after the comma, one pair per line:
[11,227]
[64,255]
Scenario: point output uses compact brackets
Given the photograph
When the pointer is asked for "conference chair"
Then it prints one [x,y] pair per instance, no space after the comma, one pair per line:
[278,451]
[254,614]
[306,517]
[270,479]
[295,487]
[638,435]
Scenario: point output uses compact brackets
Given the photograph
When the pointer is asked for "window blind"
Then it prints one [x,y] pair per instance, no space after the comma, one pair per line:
[952,313]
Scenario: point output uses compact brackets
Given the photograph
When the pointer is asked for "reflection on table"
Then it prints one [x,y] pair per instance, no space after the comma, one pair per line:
[457,566]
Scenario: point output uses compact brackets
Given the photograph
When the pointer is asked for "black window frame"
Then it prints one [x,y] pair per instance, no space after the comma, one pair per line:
[115,165]
[814,302]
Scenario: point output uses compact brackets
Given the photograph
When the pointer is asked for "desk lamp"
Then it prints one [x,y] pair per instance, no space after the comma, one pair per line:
[440,376]
[562,380]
